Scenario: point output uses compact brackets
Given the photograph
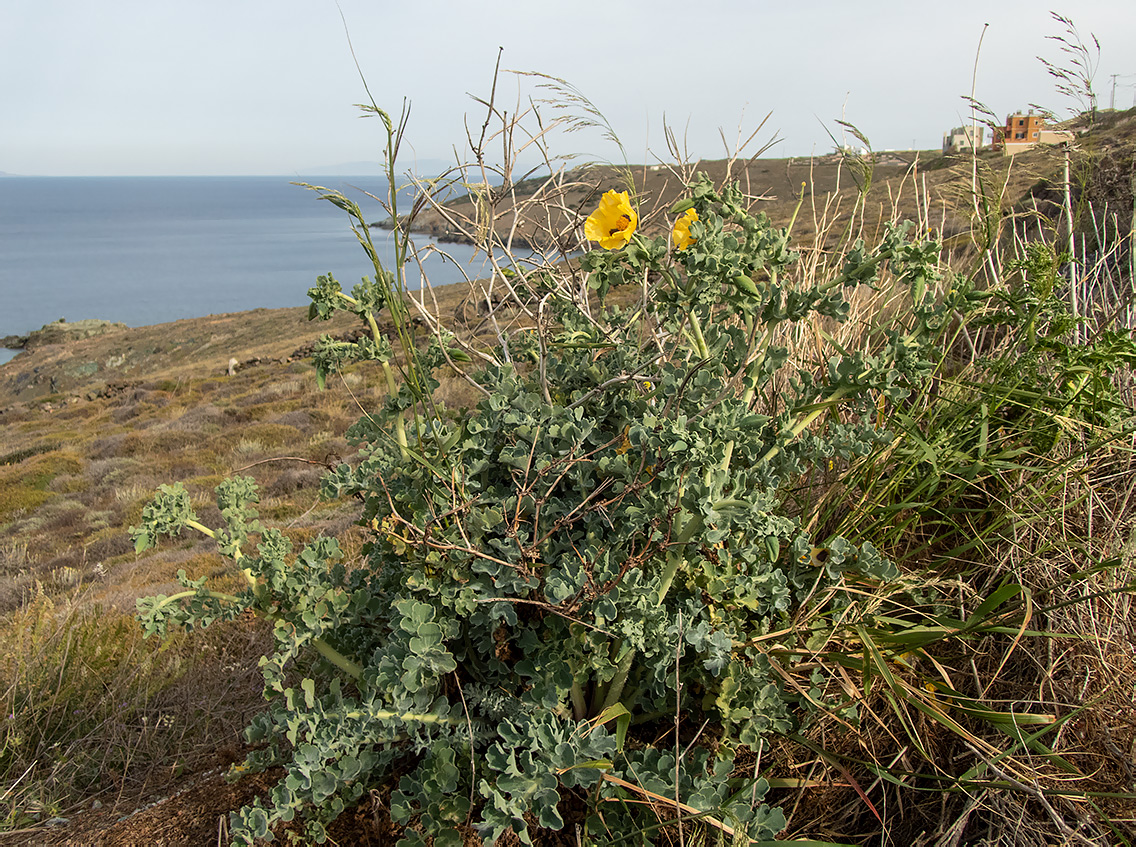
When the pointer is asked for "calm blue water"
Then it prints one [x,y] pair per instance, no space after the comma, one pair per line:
[145,250]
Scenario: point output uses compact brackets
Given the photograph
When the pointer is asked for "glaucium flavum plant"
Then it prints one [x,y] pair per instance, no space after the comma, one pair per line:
[566,590]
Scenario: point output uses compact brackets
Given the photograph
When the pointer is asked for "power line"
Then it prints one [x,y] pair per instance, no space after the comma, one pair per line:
[1114,77]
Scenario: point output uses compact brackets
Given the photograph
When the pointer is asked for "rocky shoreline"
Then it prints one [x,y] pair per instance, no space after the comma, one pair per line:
[443,234]
[65,361]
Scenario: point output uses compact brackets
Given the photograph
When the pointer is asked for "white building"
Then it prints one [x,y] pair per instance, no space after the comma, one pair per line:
[963,138]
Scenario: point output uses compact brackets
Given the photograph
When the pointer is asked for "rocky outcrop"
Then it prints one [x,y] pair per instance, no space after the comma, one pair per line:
[61,332]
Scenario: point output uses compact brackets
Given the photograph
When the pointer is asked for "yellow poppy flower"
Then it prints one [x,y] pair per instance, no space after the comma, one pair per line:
[613,223]
[681,232]
[625,442]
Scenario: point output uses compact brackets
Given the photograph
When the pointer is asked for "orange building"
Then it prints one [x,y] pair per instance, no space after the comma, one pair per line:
[1022,132]
[1021,127]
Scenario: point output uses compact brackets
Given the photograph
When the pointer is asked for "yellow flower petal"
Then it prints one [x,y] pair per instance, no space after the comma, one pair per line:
[681,232]
[625,442]
[613,223]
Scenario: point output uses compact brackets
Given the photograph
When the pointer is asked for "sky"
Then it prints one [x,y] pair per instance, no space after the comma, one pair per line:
[156,87]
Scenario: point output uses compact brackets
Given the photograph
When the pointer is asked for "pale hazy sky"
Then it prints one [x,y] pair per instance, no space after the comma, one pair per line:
[108,87]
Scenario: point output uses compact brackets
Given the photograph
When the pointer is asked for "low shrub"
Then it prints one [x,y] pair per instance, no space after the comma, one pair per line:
[571,590]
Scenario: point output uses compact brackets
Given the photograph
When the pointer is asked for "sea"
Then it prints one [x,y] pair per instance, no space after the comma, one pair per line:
[147,250]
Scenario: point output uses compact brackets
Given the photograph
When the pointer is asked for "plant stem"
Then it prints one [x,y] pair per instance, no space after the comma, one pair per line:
[615,689]
[695,325]
[373,325]
[204,530]
[579,704]
[748,394]
[675,558]
[408,717]
[399,423]
[181,595]
[686,526]
[800,201]
[388,372]
[321,646]
[354,670]
[237,555]
[699,341]
[803,423]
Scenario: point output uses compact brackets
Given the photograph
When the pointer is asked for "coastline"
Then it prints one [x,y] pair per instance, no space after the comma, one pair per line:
[546,214]
[102,357]
[64,367]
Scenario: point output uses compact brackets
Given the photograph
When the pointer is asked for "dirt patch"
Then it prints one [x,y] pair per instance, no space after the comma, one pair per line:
[196,814]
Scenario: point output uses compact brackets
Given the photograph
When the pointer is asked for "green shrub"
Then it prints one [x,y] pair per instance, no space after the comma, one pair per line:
[595,549]
[592,596]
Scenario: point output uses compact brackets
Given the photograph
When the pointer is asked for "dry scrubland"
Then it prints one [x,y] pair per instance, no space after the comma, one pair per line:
[101,723]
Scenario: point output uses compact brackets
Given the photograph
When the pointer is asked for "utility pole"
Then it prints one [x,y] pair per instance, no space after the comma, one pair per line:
[1114,78]
[1073,281]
